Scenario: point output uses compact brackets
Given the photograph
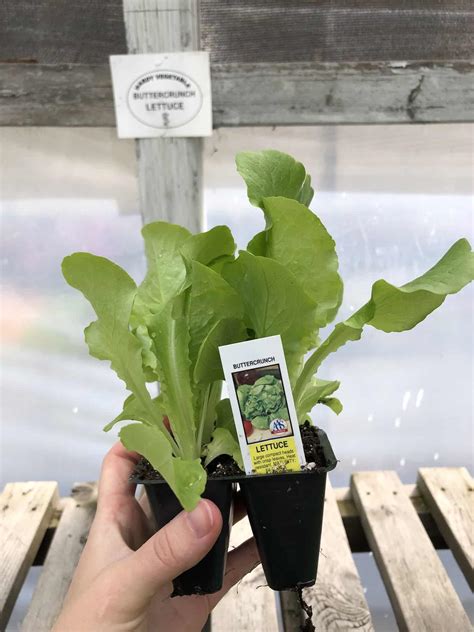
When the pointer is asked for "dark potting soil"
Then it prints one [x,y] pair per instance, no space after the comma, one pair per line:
[313,450]
[226,466]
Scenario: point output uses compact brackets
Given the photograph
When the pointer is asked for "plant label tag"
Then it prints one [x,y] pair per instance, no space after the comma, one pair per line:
[162,95]
[262,405]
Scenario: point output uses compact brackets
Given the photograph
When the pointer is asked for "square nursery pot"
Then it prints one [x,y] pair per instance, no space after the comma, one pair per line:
[207,576]
[286,515]
[285,512]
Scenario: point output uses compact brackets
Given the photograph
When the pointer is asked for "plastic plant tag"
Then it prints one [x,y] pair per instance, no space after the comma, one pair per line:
[262,405]
[162,94]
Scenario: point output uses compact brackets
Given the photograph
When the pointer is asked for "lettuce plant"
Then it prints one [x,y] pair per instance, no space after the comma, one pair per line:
[197,295]
[263,401]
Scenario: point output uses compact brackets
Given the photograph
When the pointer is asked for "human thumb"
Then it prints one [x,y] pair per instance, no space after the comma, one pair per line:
[178,546]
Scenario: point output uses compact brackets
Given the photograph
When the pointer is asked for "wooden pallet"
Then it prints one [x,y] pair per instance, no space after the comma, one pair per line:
[401,524]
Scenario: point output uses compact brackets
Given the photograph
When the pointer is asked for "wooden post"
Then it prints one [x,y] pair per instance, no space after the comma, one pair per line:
[169,169]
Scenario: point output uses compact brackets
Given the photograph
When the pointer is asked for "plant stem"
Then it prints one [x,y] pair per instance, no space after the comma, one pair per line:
[205,402]
[350,329]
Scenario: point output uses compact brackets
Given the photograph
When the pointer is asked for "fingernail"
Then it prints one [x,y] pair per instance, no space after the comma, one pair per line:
[201,519]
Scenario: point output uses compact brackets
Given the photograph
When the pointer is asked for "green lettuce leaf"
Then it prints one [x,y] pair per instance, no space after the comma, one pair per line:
[225,417]
[187,478]
[333,403]
[297,239]
[166,272]
[270,293]
[209,247]
[223,442]
[208,420]
[395,309]
[111,292]
[315,390]
[170,335]
[134,411]
[208,367]
[211,299]
[271,173]
[149,361]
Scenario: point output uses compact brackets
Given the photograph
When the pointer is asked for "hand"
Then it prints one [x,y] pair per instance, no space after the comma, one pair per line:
[124,578]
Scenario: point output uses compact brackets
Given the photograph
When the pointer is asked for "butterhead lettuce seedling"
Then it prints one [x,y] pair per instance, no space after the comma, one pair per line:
[197,295]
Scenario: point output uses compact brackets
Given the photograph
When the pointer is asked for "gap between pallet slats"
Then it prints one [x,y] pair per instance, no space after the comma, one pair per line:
[25,512]
[62,558]
[422,596]
[449,493]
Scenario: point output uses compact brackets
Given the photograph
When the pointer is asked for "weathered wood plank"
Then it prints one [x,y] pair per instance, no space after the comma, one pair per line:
[60,31]
[337,598]
[169,169]
[250,94]
[61,561]
[259,612]
[448,491]
[422,596]
[71,95]
[353,526]
[347,30]
[50,31]
[25,511]
[304,94]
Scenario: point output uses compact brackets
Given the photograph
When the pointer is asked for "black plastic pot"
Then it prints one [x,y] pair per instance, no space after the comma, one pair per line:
[285,512]
[207,576]
[286,515]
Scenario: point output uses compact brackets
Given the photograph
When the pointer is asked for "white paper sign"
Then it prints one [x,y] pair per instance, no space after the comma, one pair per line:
[162,95]
[262,405]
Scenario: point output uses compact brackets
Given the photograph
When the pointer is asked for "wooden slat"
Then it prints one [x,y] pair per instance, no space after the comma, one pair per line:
[61,561]
[254,94]
[421,593]
[250,605]
[169,169]
[353,526]
[25,511]
[337,599]
[49,31]
[449,492]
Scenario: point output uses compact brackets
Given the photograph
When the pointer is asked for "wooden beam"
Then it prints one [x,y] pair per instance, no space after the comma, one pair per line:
[169,169]
[52,31]
[250,94]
